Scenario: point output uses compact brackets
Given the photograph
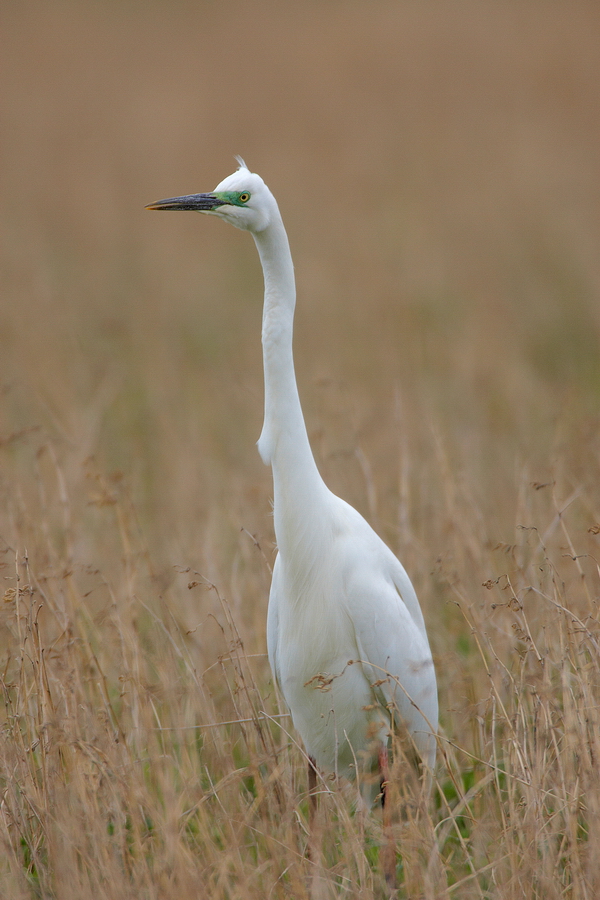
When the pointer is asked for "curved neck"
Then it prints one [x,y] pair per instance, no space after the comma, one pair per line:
[284,441]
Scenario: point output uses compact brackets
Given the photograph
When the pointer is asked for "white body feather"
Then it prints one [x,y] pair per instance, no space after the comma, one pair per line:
[347,643]
[346,638]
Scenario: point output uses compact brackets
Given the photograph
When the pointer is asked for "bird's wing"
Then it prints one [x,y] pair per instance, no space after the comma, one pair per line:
[397,574]
[391,641]
[386,634]
[273,622]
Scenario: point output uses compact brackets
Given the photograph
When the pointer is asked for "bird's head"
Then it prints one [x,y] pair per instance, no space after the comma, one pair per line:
[243,199]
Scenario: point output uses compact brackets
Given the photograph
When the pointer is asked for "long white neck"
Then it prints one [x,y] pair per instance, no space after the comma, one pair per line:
[297,485]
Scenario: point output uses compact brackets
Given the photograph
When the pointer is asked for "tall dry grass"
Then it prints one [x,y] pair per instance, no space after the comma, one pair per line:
[437,168]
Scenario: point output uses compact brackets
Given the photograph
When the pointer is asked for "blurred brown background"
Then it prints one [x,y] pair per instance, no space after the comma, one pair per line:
[437,167]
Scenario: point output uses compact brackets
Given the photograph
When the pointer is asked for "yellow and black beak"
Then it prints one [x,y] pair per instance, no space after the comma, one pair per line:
[194,202]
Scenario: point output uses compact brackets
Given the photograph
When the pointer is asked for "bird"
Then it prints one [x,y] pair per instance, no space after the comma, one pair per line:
[346,637]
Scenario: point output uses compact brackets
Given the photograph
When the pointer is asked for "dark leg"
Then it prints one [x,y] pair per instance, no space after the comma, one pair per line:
[312,811]
[388,851]
[312,790]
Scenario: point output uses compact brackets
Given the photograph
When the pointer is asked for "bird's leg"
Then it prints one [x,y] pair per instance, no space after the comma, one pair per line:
[318,879]
[312,790]
[388,852]
[312,810]
[313,838]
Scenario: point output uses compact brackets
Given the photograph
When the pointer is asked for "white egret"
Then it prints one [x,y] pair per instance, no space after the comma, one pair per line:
[345,633]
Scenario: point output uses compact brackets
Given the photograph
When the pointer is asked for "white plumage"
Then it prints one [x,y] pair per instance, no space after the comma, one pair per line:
[346,638]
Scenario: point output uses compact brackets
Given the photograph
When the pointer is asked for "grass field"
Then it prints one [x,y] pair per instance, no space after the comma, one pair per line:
[437,167]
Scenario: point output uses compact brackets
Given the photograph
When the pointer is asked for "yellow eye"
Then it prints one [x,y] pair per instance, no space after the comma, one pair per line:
[244,197]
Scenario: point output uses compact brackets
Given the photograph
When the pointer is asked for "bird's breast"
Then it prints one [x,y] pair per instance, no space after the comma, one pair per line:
[323,682]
